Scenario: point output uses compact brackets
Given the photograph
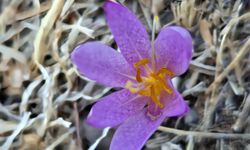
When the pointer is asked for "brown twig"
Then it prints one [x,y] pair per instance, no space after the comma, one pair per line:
[204,134]
[243,51]
[77,122]
[30,13]
[241,121]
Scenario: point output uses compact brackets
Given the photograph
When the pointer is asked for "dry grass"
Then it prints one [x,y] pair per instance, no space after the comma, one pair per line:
[44,100]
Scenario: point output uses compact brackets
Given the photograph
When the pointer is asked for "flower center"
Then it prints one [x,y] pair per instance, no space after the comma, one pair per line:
[151,83]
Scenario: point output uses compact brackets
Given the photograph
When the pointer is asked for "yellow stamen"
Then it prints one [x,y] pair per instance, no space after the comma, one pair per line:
[138,75]
[163,84]
[166,71]
[155,97]
[142,62]
[144,92]
[151,85]
[130,87]
[156,18]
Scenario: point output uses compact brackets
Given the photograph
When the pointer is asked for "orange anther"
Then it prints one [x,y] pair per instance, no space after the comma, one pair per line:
[138,75]
[142,62]
[151,84]
[155,98]
[163,84]
[165,71]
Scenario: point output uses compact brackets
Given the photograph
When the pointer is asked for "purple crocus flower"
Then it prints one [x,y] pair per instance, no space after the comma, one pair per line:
[144,71]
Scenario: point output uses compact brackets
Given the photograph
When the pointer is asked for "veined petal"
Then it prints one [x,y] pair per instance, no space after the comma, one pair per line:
[102,64]
[129,33]
[134,132]
[174,105]
[113,109]
[173,48]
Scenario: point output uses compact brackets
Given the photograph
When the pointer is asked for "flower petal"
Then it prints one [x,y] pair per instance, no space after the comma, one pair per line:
[102,64]
[129,33]
[134,132]
[113,109]
[186,35]
[173,48]
[174,105]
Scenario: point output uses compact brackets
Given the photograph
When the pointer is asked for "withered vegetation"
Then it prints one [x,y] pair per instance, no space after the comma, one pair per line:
[44,101]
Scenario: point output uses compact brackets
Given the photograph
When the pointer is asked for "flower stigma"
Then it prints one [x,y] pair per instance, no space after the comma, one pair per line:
[150,83]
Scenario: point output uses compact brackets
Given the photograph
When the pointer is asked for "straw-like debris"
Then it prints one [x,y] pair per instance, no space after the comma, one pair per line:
[44,100]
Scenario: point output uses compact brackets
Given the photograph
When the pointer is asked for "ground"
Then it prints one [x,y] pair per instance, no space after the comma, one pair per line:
[44,100]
